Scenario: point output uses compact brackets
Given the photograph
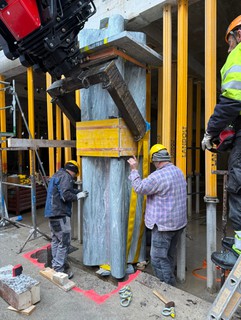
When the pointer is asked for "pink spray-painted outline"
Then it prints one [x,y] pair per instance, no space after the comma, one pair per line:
[91,294]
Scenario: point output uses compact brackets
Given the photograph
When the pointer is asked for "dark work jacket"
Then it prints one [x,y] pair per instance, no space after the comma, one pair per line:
[227,111]
[60,195]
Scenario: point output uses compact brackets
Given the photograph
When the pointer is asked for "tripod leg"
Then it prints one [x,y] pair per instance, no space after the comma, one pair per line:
[44,234]
[29,236]
[10,221]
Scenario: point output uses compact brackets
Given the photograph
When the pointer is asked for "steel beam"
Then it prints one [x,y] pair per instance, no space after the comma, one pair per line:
[40,143]
[112,80]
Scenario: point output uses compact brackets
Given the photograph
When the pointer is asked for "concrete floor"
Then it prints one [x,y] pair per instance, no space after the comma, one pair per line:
[196,252]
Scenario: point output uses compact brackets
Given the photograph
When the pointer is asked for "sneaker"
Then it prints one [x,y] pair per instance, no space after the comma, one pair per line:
[225,260]
[228,242]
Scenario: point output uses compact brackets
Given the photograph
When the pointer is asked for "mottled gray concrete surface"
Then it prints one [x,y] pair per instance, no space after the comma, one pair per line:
[94,297]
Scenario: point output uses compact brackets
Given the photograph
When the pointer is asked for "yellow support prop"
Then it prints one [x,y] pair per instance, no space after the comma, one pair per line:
[182,53]
[198,128]
[50,125]
[31,117]
[67,136]
[3,124]
[160,105]
[79,159]
[19,135]
[58,136]
[173,111]
[210,91]
[167,79]
[189,126]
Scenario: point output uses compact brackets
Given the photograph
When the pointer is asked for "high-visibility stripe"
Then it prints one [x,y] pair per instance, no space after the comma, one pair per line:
[231,75]
[231,70]
[236,85]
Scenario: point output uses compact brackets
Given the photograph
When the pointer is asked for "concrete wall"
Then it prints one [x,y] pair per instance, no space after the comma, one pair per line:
[141,12]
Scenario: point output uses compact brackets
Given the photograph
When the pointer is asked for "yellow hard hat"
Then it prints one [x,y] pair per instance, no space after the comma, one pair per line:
[73,166]
[233,25]
[157,147]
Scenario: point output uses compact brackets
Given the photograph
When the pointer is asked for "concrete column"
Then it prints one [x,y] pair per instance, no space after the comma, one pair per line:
[105,211]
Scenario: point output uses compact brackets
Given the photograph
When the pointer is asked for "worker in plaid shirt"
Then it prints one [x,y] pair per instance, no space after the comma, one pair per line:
[166,212]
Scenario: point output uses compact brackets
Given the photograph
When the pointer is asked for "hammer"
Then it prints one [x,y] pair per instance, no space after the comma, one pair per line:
[169,305]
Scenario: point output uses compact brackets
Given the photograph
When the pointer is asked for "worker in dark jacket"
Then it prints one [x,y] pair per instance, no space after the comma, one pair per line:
[60,195]
[228,112]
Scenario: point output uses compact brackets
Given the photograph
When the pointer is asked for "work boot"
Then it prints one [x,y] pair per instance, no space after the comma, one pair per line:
[225,260]
[69,272]
[228,242]
[66,265]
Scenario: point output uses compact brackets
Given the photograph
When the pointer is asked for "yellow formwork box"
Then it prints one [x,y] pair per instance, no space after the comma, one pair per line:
[105,138]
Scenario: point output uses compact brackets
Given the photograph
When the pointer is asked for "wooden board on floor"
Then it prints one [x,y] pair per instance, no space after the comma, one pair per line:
[48,274]
[26,311]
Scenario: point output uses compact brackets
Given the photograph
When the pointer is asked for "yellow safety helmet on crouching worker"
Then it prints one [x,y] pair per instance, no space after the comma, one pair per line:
[233,25]
[156,148]
[72,165]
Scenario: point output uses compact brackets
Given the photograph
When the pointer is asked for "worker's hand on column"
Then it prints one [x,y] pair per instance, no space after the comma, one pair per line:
[82,194]
[207,141]
[133,163]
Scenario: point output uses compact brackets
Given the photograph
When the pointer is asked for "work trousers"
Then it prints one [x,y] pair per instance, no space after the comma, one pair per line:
[234,184]
[61,237]
[163,254]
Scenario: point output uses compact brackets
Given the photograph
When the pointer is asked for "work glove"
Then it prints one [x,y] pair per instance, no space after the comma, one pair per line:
[207,141]
[82,194]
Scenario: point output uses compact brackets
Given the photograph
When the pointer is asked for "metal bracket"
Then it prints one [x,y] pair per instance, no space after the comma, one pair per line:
[109,75]
[210,199]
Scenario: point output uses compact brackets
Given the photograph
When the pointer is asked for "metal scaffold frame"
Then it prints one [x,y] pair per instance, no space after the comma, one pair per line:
[3,209]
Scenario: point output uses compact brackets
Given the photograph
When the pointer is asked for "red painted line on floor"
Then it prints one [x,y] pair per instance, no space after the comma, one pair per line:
[34,260]
[91,294]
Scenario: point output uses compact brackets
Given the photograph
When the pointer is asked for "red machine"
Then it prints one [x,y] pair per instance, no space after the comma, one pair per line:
[43,33]
[20,17]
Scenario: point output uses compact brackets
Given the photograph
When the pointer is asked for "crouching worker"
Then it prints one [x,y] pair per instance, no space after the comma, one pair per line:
[166,213]
[58,208]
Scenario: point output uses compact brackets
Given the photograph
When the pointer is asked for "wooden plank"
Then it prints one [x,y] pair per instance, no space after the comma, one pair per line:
[126,42]
[26,311]
[48,274]
[40,143]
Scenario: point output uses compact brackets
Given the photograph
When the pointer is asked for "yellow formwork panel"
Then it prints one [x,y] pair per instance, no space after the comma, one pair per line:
[105,138]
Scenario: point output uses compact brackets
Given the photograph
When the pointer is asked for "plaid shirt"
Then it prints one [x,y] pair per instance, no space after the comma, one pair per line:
[166,204]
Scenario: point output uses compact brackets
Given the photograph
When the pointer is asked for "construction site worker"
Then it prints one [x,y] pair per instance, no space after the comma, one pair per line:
[228,111]
[60,195]
[166,212]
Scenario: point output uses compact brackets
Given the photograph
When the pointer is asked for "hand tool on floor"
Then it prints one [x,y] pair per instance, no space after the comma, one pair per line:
[169,309]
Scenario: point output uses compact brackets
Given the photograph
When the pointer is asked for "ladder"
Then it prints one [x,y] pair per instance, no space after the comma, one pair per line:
[229,297]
